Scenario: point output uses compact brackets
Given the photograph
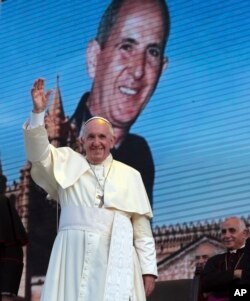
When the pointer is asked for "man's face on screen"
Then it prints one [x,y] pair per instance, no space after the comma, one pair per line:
[130,63]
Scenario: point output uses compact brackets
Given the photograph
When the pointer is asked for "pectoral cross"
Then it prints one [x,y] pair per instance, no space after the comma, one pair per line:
[101,198]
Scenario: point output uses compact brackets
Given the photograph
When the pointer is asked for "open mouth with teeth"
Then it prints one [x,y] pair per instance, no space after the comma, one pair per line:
[128,91]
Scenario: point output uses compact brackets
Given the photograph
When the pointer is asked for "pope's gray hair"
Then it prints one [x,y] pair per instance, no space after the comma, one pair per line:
[83,128]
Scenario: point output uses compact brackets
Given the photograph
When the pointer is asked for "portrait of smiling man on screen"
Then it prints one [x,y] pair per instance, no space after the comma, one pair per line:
[125,62]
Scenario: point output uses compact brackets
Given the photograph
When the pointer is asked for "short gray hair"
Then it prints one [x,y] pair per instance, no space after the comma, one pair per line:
[84,124]
[242,224]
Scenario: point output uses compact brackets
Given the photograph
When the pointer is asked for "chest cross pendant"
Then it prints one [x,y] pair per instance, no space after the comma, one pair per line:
[101,198]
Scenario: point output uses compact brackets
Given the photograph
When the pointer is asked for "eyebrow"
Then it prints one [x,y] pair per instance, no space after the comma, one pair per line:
[135,42]
[224,230]
[201,256]
[127,40]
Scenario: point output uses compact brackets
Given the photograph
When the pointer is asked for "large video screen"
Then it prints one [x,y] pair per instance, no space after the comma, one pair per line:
[196,123]
[180,109]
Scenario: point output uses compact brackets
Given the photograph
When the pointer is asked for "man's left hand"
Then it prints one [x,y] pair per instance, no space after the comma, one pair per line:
[149,284]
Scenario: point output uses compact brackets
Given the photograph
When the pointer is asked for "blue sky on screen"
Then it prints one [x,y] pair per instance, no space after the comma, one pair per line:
[197,122]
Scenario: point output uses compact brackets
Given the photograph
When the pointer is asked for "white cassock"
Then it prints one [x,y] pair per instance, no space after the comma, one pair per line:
[99,254]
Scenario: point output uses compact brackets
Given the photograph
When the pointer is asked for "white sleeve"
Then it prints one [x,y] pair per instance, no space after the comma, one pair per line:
[36,119]
[39,153]
[144,244]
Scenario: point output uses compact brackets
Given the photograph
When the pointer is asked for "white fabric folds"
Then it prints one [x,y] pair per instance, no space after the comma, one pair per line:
[111,239]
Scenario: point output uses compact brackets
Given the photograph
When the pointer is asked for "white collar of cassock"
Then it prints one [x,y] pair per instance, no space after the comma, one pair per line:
[234,251]
[105,164]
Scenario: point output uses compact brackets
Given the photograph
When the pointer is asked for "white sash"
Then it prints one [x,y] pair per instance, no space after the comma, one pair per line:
[119,280]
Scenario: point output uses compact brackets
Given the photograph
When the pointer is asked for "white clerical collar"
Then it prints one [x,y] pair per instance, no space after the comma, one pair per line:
[234,251]
[104,163]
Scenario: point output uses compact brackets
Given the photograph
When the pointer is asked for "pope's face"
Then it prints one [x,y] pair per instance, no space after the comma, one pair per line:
[97,141]
[130,63]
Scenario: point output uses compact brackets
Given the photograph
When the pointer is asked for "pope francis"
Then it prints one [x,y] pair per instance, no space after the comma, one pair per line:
[104,249]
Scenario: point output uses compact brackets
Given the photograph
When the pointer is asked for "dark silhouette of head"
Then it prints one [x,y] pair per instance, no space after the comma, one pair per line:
[3,182]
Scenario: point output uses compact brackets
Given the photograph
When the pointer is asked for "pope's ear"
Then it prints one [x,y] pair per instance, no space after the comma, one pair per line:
[80,146]
[93,51]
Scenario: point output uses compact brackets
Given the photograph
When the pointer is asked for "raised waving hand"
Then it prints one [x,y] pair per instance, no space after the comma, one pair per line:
[39,96]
